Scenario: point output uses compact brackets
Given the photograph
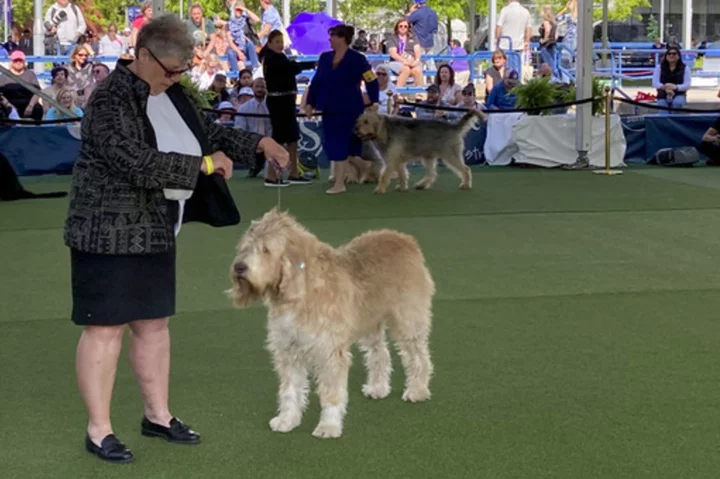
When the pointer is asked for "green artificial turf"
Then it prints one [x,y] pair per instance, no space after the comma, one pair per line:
[576,335]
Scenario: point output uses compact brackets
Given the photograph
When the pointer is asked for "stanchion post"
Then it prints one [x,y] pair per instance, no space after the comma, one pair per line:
[607,171]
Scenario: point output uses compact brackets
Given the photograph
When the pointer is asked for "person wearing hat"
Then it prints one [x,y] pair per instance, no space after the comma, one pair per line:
[500,97]
[18,95]
[433,99]
[227,114]
[244,95]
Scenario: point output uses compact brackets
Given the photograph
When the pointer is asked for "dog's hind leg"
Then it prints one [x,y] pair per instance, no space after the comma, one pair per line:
[430,174]
[454,161]
[332,381]
[293,392]
[378,365]
[410,329]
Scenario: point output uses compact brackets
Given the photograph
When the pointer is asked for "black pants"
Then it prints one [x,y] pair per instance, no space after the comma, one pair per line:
[712,151]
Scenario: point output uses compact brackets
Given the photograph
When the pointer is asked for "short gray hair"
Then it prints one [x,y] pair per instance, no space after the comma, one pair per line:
[167,36]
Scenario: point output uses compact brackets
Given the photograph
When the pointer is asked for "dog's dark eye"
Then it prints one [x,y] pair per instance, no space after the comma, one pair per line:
[266,250]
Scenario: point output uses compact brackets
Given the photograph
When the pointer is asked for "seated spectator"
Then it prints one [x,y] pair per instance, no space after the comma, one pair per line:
[468,101]
[450,92]
[461,67]
[220,45]
[244,95]
[388,92]
[241,49]
[500,97]
[433,99]
[3,53]
[204,74]
[111,45]
[219,86]
[80,74]
[66,97]
[100,71]
[672,80]
[227,114]
[59,77]
[496,72]
[405,54]
[710,145]
[15,93]
[361,43]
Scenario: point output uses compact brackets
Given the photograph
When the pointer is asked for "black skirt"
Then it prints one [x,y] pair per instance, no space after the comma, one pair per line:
[110,290]
[282,118]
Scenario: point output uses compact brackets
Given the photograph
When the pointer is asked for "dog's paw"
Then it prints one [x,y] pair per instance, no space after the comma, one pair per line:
[379,191]
[283,423]
[401,188]
[416,394]
[377,391]
[420,185]
[465,186]
[327,431]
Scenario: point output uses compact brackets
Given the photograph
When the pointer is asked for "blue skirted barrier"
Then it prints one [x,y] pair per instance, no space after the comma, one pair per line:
[51,149]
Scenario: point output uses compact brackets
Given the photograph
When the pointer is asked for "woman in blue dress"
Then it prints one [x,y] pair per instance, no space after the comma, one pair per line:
[335,91]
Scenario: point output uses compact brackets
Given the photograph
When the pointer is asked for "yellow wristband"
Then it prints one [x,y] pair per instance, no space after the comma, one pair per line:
[209,165]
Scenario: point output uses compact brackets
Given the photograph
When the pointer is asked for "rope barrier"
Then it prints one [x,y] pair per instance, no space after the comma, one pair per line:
[515,110]
[663,108]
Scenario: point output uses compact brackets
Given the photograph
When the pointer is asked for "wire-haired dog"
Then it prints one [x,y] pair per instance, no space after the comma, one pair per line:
[321,300]
[401,140]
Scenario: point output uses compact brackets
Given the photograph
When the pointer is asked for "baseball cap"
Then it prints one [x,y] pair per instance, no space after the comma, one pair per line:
[432,89]
[17,55]
[246,90]
[226,105]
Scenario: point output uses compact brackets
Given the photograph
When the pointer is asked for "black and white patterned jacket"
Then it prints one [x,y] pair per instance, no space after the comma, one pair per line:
[117,204]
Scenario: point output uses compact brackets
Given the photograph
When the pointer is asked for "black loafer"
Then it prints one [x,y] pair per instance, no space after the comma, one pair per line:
[111,449]
[177,433]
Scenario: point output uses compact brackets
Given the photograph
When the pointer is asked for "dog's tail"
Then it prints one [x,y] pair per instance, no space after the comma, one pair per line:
[468,120]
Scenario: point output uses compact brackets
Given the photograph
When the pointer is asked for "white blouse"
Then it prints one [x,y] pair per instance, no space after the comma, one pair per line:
[173,135]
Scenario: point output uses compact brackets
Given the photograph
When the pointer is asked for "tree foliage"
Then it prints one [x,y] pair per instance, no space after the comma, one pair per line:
[370,14]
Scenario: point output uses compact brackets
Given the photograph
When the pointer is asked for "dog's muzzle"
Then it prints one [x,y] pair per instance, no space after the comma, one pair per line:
[240,269]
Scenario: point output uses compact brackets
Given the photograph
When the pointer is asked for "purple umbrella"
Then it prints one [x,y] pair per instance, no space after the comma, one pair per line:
[309,32]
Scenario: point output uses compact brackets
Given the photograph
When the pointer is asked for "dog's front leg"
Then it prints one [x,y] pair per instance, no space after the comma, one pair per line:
[332,380]
[293,392]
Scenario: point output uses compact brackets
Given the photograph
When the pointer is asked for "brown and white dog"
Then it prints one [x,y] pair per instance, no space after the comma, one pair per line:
[321,300]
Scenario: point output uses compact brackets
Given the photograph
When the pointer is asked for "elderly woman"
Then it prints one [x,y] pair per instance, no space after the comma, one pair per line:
[149,161]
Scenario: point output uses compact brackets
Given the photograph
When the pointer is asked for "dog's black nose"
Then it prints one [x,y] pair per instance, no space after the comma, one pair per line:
[240,269]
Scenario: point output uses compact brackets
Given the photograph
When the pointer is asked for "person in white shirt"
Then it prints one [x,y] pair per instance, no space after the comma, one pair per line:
[513,22]
[66,23]
[111,45]
[387,93]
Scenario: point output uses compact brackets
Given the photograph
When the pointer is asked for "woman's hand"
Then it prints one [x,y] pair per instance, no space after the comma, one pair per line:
[308,110]
[221,165]
[274,154]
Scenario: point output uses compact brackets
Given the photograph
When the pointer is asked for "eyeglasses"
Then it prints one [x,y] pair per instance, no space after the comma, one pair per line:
[81,55]
[467,93]
[18,60]
[168,73]
[381,74]
[97,72]
[402,27]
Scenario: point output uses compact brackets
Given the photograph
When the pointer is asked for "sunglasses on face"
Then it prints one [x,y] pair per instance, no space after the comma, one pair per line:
[467,93]
[402,27]
[381,74]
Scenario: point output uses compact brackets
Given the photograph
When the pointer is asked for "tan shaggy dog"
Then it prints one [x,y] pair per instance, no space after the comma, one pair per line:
[321,300]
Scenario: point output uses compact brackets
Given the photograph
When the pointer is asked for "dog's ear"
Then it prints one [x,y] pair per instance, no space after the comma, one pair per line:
[292,277]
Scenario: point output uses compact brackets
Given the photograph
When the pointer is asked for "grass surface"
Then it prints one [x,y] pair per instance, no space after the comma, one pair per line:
[576,335]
